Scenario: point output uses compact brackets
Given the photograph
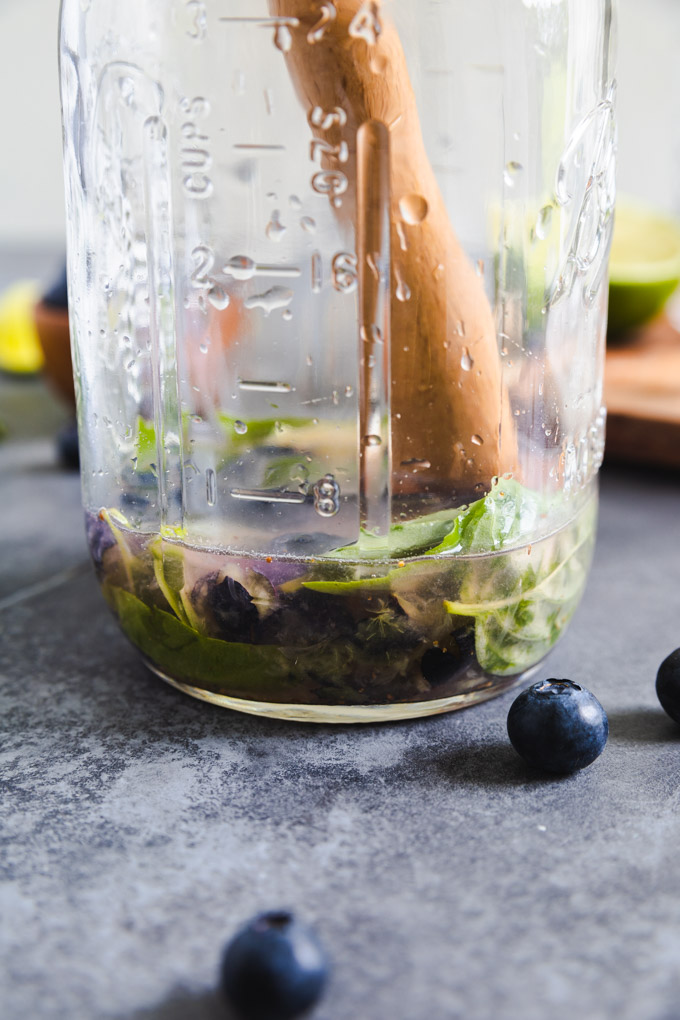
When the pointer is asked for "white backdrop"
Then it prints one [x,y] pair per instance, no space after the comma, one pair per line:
[31,192]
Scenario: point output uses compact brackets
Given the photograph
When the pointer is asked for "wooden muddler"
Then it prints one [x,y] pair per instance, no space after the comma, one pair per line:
[450,417]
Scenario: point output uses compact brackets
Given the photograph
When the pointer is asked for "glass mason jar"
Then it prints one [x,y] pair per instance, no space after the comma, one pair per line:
[338,297]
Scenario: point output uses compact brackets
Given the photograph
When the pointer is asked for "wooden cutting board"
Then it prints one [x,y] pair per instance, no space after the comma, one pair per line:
[642,394]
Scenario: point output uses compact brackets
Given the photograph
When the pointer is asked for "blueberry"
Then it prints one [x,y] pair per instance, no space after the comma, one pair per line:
[226,607]
[439,666]
[99,538]
[558,726]
[306,617]
[67,447]
[273,969]
[668,685]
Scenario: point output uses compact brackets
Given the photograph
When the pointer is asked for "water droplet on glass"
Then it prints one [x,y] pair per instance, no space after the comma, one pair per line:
[309,360]
[543,221]
[466,361]
[210,487]
[372,440]
[240,267]
[218,297]
[512,168]
[317,272]
[402,291]
[401,234]
[412,208]
[283,40]
[378,63]
[348,391]
[287,315]
[275,228]
[275,297]
[239,83]
[203,348]
[479,268]
[335,398]
[476,440]
[294,202]
[548,432]
[272,196]
[371,335]
[240,427]
[308,224]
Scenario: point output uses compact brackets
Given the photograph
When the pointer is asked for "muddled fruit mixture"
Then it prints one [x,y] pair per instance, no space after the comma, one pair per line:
[465,596]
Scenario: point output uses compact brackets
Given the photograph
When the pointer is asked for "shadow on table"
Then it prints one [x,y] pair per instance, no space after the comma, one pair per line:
[184,1005]
[642,725]
[488,765]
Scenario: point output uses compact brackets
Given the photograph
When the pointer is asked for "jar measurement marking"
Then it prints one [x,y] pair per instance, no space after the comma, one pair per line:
[195,158]
[331,183]
[328,16]
[269,495]
[326,496]
[320,147]
[264,22]
[210,487]
[211,290]
[240,267]
[198,19]
[344,271]
[326,119]
[366,24]
[317,272]
[257,386]
[260,147]
[281,26]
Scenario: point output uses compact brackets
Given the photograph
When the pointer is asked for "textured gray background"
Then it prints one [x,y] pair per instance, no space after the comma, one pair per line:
[139,827]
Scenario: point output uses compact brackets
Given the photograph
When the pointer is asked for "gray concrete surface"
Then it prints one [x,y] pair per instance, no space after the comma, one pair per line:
[139,827]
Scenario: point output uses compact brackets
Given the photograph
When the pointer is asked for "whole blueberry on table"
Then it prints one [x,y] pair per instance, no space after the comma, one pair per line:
[668,685]
[273,969]
[558,726]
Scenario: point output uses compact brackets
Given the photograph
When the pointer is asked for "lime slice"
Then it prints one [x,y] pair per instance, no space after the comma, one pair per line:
[644,265]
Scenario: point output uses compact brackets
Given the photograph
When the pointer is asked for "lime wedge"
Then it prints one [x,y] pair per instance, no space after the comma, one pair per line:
[644,265]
